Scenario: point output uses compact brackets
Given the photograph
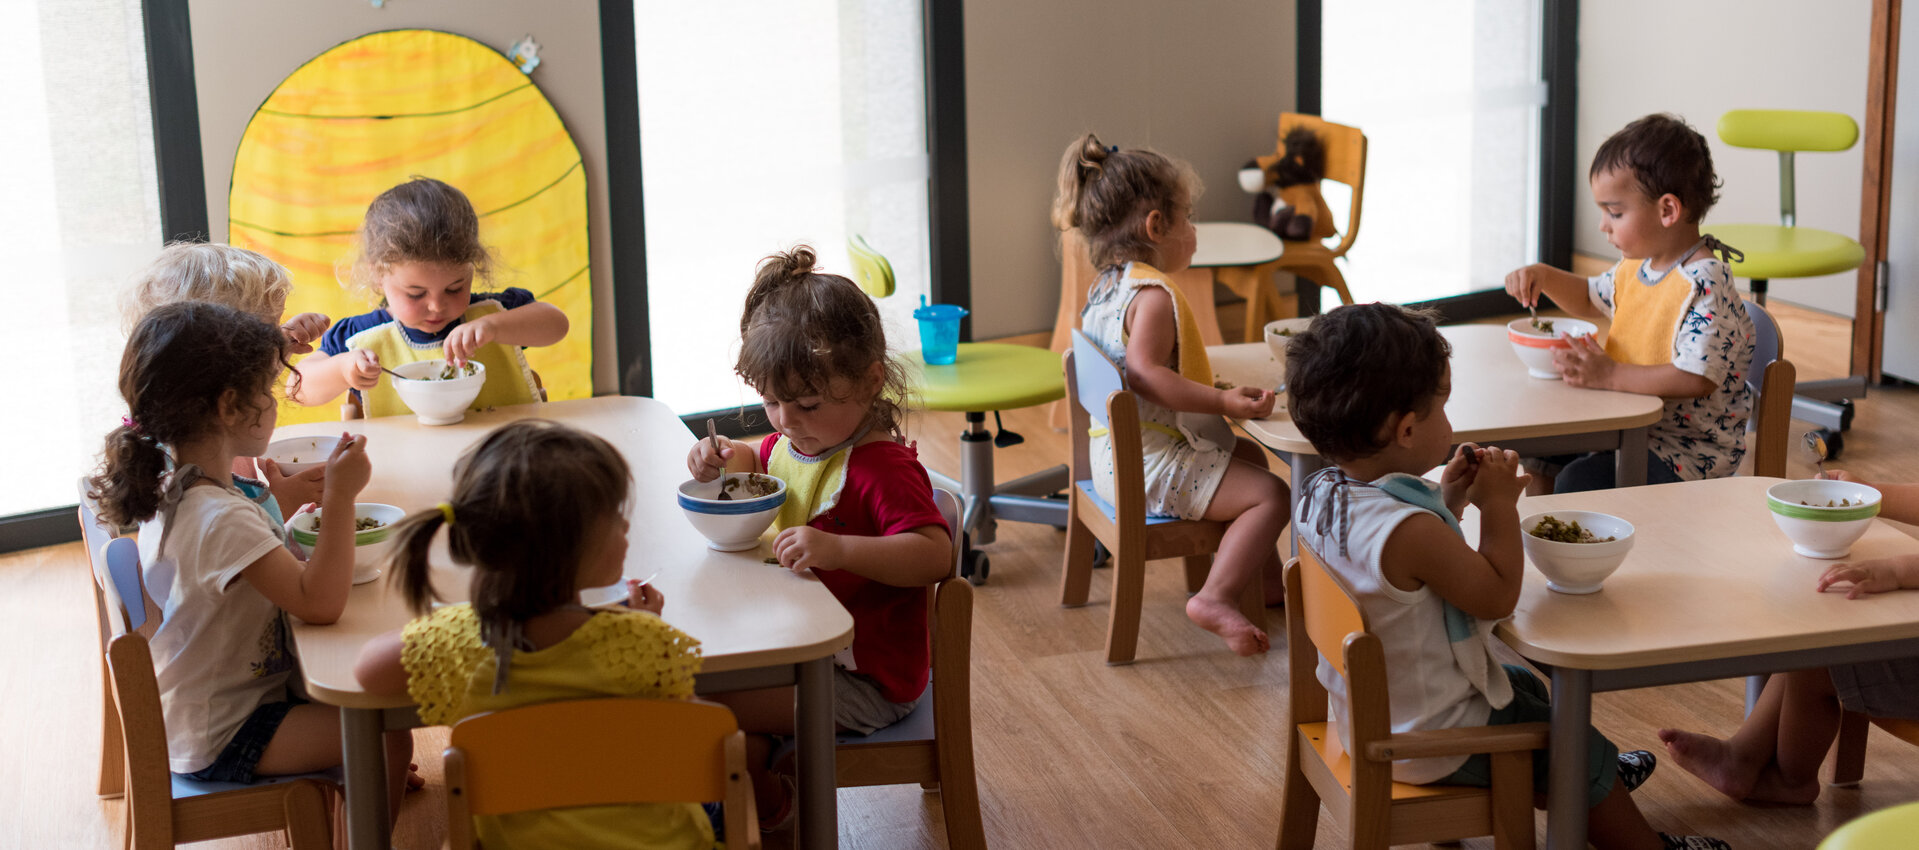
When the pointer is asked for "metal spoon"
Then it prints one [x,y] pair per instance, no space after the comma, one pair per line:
[713,434]
[1816,446]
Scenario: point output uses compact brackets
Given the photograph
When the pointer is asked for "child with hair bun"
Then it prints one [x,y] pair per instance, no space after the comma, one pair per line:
[1135,209]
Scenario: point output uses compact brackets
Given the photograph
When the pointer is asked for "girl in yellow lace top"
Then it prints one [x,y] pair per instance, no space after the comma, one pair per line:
[538,512]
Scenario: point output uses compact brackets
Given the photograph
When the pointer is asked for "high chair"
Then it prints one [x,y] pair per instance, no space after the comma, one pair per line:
[1099,397]
[598,752]
[934,744]
[1311,259]
[164,809]
[1357,788]
[1787,250]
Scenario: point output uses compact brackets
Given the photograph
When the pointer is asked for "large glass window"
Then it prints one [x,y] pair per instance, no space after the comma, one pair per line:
[1452,172]
[81,214]
[763,125]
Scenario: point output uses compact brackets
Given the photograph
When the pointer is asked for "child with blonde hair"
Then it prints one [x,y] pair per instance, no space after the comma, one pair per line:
[419,257]
[252,284]
[859,509]
[538,512]
[214,559]
[1135,208]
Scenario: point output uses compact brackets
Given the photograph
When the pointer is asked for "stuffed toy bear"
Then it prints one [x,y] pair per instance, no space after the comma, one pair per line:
[1286,192]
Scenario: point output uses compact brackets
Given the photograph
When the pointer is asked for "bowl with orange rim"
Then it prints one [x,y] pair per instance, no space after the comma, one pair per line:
[1535,343]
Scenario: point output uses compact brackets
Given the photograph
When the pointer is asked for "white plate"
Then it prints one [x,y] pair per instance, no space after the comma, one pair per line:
[370,577]
[610,596]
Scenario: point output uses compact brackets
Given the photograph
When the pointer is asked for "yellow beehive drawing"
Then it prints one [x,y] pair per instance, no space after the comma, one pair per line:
[370,113]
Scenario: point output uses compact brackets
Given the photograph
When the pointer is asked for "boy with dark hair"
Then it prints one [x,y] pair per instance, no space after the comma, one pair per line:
[1679,328]
[1368,386]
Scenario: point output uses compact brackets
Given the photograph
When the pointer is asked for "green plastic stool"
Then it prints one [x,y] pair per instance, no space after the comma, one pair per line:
[1786,250]
[991,377]
[1896,828]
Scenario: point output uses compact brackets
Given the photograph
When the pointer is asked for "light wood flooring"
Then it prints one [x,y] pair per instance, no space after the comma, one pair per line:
[1182,749]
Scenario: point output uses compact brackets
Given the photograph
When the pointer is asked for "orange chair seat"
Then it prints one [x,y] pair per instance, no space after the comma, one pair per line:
[1319,737]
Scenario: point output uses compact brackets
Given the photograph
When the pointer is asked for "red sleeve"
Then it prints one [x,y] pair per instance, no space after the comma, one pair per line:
[766,450]
[894,487]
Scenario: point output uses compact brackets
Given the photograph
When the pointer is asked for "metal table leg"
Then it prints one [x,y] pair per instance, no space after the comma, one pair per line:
[363,747]
[813,723]
[1302,466]
[1629,462]
[1566,792]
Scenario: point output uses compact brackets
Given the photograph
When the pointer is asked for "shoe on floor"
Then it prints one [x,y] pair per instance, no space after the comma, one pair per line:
[1693,842]
[1635,768]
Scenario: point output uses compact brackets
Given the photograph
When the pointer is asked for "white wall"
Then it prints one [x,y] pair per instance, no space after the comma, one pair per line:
[243,49]
[1702,57]
[1203,81]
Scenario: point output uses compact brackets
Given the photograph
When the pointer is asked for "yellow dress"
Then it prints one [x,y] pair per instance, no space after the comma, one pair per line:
[615,653]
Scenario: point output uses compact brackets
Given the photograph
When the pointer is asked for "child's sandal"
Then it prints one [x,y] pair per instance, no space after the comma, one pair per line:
[1635,767]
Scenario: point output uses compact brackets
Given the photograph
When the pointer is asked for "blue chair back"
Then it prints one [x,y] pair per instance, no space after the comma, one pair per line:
[1766,345]
[123,567]
[1095,376]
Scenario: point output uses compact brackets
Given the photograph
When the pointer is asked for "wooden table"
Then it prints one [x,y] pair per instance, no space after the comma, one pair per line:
[1494,402]
[1243,257]
[1711,590]
[760,626]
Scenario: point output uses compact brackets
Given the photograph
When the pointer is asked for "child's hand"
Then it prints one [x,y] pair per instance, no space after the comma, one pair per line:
[1247,402]
[1499,480]
[463,341]
[644,596]
[1526,283]
[295,489]
[1842,475]
[807,548]
[1456,480]
[1584,363]
[706,462]
[1874,576]
[347,468]
[362,369]
[302,330]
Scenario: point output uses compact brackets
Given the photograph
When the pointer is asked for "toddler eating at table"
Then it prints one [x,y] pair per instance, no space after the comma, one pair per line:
[419,256]
[1368,385]
[1135,209]
[538,512]
[1679,329]
[859,509]
[214,560]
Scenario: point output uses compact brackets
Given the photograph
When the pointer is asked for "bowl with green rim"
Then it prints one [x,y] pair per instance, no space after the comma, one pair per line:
[369,546]
[1822,518]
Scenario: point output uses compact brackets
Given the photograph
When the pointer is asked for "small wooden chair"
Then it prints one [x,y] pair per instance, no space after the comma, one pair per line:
[1771,380]
[108,609]
[1357,788]
[598,752]
[1849,752]
[164,809]
[1099,396]
[933,745]
[1311,259]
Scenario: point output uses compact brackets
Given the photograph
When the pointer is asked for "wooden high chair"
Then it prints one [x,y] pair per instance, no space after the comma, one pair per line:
[1311,259]
[1098,395]
[933,745]
[1357,788]
[598,752]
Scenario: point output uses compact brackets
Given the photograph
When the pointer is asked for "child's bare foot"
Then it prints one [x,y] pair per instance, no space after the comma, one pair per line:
[1714,761]
[1224,619]
[1772,787]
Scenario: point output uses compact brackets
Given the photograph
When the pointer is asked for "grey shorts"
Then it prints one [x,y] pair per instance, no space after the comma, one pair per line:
[1879,688]
[859,706]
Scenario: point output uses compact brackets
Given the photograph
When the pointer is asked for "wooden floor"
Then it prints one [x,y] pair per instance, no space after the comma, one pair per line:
[1182,749]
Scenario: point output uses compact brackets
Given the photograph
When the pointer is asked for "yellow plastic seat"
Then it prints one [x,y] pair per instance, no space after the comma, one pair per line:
[1886,829]
[1774,252]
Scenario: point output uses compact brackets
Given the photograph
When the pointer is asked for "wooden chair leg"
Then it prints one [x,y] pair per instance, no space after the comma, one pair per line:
[1849,752]
[1129,590]
[1327,274]
[1512,800]
[959,804]
[1076,577]
[1197,568]
[308,826]
[1299,802]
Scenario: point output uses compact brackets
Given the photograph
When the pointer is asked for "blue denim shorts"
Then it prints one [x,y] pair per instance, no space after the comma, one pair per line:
[237,762]
[1531,705]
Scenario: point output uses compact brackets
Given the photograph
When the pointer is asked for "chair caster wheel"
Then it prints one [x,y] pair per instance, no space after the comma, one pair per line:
[975,566]
[1101,555]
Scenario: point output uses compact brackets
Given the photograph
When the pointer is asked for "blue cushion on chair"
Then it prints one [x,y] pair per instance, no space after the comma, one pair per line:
[1111,512]
[917,726]
[184,787]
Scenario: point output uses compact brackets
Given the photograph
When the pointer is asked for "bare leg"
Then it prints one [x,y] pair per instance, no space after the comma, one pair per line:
[761,713]
[1616,824]
[1273,575]
[308,740]
[1257,505]
[1775,755]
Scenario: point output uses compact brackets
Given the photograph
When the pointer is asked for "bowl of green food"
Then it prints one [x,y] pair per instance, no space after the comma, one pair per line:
[1576,550]
[1822,517]
[438,392]
[372,528]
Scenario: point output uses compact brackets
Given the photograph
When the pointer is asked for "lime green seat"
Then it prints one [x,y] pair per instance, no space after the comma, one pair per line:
[1886,829]
[987,376]
[1774,252]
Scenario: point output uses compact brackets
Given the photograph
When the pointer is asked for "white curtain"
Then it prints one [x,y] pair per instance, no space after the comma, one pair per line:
[81,215]
[763,125]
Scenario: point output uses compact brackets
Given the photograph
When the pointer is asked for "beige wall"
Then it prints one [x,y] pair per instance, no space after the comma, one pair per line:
[242,49]
[1203,80]
[1702,57]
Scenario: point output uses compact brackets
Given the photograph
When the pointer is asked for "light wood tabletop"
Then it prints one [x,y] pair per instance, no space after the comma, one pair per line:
[1493,399]
[1234,243]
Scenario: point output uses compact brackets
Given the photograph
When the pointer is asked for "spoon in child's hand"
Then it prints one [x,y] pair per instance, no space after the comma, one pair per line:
[714,435]
[1816,447]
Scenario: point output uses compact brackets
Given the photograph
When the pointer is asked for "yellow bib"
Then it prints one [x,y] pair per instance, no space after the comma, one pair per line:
[1194,365]
[813,484]
[1646,318]
[508,379]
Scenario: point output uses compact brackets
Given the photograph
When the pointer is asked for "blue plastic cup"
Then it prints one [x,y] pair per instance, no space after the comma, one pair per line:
[939,332]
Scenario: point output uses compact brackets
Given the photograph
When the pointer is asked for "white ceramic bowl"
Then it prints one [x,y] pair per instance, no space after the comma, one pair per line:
[1280,332]
[1818,531]
[734,524]
[1535,348]
[438,402]
[370,547]
[1578,567]
[299,454]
